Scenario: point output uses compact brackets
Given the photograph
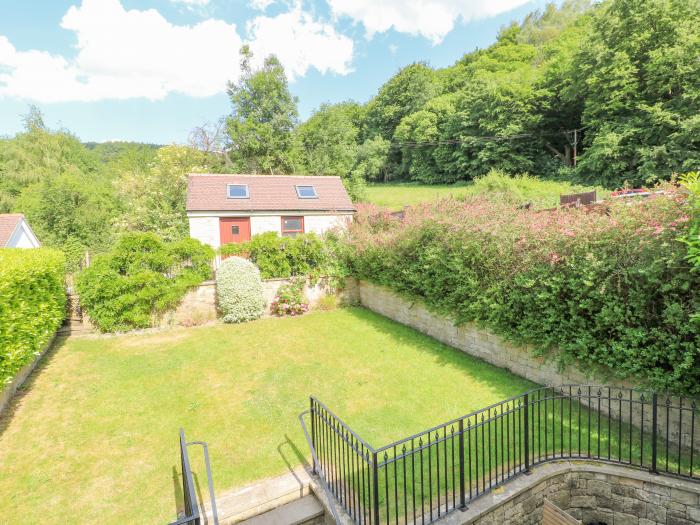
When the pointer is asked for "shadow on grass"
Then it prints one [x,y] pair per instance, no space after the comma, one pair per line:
[8,414]
[444,354]
[299,459]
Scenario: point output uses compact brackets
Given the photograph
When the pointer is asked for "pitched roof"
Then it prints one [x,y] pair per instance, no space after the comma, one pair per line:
[8,225]
[207,192]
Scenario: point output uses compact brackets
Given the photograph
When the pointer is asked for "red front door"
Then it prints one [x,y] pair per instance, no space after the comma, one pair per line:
[234,229]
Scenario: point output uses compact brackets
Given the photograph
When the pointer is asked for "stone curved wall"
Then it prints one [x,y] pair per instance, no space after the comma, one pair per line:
[608,494]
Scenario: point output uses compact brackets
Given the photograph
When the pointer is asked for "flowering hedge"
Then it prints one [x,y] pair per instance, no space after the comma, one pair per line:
[32,304]
[608,287]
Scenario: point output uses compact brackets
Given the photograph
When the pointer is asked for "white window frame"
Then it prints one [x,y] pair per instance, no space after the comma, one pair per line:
[228,191]
[315,195]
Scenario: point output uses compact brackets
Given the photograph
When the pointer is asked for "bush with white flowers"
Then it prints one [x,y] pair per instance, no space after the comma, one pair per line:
[239,290]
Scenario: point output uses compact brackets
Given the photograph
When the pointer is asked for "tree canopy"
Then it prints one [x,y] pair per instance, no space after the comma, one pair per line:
[263,116]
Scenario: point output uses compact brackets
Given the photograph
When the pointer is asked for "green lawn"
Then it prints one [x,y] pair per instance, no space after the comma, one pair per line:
[395,196]
[93,438]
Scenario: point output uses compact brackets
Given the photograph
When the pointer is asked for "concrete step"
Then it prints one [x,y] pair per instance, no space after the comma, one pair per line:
[306,510]
[72,326]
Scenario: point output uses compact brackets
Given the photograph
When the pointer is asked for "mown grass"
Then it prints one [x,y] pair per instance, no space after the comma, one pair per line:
[93,438]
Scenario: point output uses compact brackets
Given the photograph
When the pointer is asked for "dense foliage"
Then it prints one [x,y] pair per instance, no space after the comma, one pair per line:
[80,198]
[143,276]
[304,255]
[263,117]
[32,305]
[610,288]
[239,290]
[621,73]
[289,299]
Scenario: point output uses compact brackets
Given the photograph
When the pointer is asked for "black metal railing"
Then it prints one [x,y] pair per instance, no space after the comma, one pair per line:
[192,513]
[425,476]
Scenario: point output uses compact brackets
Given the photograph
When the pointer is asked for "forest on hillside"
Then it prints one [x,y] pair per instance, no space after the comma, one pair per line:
[605,94]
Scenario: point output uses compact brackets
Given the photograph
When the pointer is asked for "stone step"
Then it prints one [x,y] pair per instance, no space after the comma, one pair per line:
[306,510]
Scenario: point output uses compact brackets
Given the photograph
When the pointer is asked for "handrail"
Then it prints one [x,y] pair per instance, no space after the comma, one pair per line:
[192,512]
[319,467]
[210,481]
[343,424]
[516,428]
[190,499]
[494,405]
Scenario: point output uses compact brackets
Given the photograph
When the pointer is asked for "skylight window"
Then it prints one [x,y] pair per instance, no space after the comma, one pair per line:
[237,191]
[306,192]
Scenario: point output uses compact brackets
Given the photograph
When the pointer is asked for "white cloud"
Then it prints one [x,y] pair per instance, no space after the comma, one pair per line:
[432,19]
[197,3]
[124,54]
[261,5]
[300,42]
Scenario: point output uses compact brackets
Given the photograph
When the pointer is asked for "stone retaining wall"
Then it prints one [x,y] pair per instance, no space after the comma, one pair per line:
[604,494]
[519,359]
[198,306]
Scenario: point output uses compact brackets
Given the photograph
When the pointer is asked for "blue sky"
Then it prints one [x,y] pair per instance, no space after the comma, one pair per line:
[152,70]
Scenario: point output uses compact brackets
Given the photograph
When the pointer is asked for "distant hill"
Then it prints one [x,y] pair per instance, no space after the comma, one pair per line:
[108,150]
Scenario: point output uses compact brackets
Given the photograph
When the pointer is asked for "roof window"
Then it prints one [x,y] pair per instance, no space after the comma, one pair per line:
[237,191]
[306,192]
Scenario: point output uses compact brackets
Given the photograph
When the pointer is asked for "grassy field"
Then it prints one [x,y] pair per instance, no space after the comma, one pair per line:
[395,196]
[93,437]
[541,193]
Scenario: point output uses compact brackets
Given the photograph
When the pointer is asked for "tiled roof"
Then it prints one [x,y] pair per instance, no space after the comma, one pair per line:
[207,192]
[8,224]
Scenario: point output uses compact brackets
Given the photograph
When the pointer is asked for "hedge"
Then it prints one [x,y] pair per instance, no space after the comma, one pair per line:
[280,257]
[609,288]
[142,277]
[32,304]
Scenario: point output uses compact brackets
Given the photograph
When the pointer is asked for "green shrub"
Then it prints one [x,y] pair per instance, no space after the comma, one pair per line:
[239,290]
[279,257]
[32,304]
[290,299]
[611,289]
[141,278]
[522,189]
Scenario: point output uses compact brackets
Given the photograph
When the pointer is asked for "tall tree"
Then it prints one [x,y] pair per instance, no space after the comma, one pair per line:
[639,75]
[326,144]
[263,117]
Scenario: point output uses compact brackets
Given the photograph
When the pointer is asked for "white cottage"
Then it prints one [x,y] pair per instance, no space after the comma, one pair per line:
[231,208]
[16,233]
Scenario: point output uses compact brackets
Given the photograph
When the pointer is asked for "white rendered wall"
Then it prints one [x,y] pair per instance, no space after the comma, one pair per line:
[23,238]
[265,223]
[321,223]
[205,230]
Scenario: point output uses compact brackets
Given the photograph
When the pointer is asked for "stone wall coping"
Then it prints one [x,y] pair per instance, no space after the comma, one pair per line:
[517,486]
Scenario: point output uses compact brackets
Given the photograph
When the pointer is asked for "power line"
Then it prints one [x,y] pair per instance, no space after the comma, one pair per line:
[486,138]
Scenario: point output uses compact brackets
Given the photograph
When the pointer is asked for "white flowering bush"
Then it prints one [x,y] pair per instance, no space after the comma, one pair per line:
[239,290]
